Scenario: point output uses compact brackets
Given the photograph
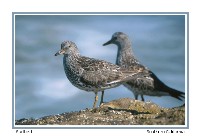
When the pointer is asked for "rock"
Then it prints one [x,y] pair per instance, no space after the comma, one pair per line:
[123,111]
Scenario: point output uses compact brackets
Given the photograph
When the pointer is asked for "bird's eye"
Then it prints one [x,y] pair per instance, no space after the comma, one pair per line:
[115,38]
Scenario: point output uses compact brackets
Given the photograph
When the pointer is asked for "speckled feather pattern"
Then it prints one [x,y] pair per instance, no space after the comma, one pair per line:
[91,74]
[145,83]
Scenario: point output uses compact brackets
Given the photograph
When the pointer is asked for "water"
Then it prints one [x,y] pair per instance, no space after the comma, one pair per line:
[41,87]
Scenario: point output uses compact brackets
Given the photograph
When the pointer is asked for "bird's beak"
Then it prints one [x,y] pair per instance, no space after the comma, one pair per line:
[60,52]
[57,54]
[109,42]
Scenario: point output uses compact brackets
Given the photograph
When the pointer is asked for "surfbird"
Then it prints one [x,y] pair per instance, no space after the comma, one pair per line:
[91,74]
[148,83]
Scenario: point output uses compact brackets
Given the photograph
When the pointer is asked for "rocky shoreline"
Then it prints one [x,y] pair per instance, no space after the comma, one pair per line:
[124,111]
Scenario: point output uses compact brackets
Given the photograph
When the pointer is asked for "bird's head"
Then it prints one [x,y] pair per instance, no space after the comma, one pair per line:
[67,47]
[118,39]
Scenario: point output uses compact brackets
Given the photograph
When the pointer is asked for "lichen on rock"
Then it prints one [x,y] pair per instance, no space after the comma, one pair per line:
[124,111]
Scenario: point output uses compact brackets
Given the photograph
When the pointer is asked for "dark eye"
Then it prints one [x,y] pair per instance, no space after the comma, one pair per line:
[114,38]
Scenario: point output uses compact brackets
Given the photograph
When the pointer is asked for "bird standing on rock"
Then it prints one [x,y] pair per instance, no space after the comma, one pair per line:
[90,74]
[148,83]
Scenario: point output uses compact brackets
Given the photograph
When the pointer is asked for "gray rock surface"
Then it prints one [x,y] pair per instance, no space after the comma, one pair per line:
[124,111]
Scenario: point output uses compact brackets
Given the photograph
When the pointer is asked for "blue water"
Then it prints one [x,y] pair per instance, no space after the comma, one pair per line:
[41,87]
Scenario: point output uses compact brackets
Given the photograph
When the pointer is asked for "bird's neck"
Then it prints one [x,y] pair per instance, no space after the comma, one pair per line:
[71,59]
[125,54]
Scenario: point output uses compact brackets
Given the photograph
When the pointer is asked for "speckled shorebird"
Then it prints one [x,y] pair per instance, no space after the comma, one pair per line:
[90,74]
[147,84]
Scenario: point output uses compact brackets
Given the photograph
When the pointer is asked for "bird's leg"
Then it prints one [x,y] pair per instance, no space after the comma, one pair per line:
[95,100]
[142,97]
[136,96]
[102,95]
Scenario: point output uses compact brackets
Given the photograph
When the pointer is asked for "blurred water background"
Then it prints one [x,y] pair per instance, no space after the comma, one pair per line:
[41,87]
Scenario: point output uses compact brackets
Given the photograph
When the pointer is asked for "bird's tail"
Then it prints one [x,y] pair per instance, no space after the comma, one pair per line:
[162,87]
[176,94]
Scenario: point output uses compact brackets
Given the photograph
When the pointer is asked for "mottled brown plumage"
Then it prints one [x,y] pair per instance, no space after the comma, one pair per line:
[147,83]
[91,74]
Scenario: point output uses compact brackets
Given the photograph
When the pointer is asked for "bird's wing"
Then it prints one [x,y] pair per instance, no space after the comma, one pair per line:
[142,81]
[147,80]
[98,72]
